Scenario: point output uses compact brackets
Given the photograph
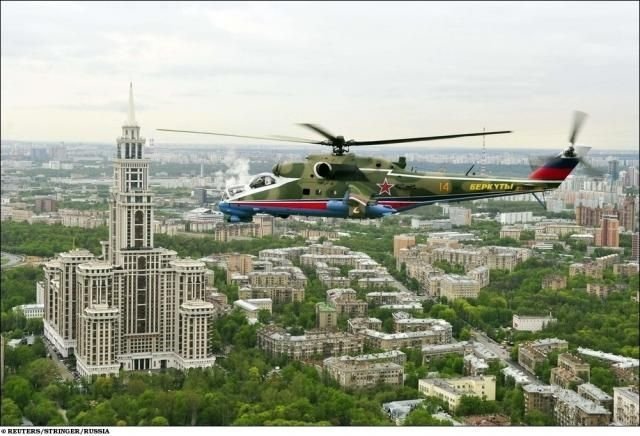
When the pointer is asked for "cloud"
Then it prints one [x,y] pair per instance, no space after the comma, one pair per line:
[376,69]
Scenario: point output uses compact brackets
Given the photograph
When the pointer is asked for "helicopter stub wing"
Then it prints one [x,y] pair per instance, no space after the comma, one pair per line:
[357,204]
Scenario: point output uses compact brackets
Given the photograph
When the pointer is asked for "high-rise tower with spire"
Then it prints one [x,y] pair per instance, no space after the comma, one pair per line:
[138,307]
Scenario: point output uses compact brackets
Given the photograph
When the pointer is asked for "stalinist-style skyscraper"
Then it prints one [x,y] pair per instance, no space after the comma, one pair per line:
[136,307]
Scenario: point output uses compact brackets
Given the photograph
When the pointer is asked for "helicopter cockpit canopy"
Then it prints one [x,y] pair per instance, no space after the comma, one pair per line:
[258,181]
[261,180]
[230,191]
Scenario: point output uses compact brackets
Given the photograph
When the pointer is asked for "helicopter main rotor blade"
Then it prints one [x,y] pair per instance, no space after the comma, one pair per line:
[294,139]
[425,138]
[578,119]
[319,130]
[237,136]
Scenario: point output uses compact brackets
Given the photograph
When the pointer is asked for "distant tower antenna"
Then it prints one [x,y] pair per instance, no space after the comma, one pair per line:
[484,156]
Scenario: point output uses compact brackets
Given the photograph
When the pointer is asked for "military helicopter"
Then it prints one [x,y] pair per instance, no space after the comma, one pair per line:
[344,185]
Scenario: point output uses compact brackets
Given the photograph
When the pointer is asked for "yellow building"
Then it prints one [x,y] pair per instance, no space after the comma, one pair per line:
[452,390]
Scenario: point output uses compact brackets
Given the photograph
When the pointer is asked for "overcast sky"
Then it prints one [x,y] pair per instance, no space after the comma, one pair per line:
[367,70]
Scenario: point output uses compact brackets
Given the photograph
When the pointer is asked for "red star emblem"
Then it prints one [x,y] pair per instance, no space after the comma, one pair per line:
[385,187]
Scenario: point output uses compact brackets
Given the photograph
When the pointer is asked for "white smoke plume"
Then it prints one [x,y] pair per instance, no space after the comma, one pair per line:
[236,172]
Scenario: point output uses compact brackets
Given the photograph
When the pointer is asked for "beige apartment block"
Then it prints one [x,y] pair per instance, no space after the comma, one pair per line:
[534,353]
[437,334]
[510,232]
[367,370]
[538,397]
[626,406]
[554,282]
[345,301]
[326,317]
[278,294]
[592,270]
[567,407]
[275,341]
[356,325]
[572,410]
[593,393]
[454,286]
[402,241]
[600,290]
[239,263]
[626,269]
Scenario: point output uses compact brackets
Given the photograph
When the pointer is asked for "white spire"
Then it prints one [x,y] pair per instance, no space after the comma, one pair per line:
[131,118]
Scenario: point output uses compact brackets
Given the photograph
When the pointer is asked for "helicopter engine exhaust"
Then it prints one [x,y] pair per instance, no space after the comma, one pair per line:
[323,170]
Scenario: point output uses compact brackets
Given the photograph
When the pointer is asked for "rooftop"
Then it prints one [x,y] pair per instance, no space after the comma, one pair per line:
[595,392]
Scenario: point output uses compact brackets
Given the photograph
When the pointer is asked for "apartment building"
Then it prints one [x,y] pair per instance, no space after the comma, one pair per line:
[356,325]
[474,366]
[380,298]
[276,342]
[345,301]
[567,407]
[402,241]
[600,290]
[538,397]
[326,317]
[240,264]
[278,295]
[592,270]
[626,406]
[510,232]
[534,353]
[554,282]
[572,410]
[437,334]
[408,324]
[609,232]
[480,274]
[384,282]
[571,370]
[438,350]
[626,269]
[624,368]
[593,393]
[452,390]
[367,370]
[454,286]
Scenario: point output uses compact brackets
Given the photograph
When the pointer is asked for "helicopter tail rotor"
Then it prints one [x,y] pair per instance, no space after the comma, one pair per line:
[560,166]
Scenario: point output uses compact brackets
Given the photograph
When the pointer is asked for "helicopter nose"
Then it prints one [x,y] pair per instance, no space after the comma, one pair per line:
[223,206]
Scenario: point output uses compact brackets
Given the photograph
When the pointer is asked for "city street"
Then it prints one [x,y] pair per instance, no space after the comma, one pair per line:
[494,347]
[63,370]
[13,260]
